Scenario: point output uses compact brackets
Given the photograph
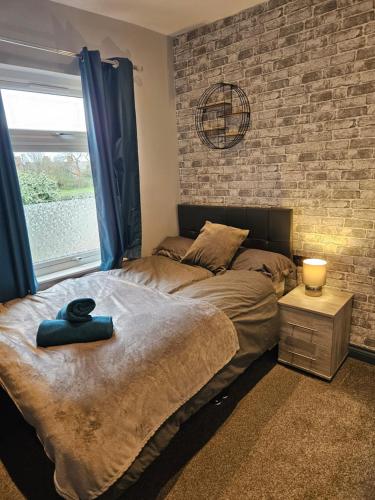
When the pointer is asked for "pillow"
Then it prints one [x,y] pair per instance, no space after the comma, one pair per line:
[174,247]
[276,265]
[215,246]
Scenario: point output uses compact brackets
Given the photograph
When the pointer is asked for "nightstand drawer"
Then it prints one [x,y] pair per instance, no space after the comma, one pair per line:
[308,327]
[299,346]
[313,357]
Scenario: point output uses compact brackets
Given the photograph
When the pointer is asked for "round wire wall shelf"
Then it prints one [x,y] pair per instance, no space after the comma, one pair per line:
[222,116]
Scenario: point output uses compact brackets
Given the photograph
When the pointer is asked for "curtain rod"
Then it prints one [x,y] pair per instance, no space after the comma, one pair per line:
[60,52]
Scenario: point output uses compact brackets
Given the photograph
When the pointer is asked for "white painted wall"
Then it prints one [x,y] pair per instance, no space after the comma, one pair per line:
[58,26]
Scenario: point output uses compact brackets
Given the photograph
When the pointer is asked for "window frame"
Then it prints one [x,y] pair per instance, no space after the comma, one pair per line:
[24,141]
[45,141]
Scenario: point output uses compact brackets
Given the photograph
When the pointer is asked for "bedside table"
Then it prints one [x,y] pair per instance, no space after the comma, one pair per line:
[314,332]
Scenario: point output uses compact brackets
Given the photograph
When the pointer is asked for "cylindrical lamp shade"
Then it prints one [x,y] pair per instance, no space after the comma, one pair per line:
[314,276]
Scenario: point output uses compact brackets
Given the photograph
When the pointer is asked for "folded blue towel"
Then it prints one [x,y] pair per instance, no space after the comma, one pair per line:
[77,311]
[60,332]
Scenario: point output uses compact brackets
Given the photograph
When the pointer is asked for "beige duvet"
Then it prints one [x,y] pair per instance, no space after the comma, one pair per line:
[162,273]
[95,405]
[248,298]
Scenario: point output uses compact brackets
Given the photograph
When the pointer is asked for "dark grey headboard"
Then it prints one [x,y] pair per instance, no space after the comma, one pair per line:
[270,228]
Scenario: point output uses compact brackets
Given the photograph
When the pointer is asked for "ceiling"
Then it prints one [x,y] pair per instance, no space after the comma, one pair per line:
[164,16]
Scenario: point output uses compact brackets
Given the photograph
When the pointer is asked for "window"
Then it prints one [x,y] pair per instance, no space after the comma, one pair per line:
[49,140]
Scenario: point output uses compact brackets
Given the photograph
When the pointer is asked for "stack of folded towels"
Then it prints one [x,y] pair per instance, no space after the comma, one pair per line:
[74,323]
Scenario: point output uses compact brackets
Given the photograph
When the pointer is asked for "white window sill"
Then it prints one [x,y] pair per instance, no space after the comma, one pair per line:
[48,280]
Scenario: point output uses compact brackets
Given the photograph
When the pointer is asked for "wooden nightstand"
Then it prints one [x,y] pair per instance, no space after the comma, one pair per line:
[314,333]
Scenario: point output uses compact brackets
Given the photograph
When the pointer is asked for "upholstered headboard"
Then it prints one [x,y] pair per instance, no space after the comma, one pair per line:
[270,228]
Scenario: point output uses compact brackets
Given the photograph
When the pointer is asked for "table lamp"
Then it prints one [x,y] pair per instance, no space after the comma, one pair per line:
[314,274]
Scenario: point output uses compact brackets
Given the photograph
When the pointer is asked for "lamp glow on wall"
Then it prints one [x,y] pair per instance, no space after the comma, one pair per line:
[314,273]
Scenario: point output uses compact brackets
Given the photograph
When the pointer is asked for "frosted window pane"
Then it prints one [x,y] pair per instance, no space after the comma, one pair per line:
[34,111]
[58,196]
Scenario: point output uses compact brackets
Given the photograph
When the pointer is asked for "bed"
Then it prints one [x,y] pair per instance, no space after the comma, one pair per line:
[228,321]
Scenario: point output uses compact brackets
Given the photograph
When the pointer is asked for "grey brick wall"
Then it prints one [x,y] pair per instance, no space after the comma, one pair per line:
[308,69]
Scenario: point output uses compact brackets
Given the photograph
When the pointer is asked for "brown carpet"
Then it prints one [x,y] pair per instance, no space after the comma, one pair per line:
[290,437]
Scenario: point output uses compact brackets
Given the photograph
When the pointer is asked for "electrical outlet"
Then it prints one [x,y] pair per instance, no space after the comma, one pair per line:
[298,260]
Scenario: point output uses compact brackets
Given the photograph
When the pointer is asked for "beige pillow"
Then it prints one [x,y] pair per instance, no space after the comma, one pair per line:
[277,266]
[174,247]
[215,246]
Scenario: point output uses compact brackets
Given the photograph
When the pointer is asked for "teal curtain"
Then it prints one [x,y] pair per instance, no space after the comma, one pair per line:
[108,95]
[16,269]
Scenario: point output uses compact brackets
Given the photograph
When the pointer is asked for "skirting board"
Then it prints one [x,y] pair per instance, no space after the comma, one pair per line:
[362,354]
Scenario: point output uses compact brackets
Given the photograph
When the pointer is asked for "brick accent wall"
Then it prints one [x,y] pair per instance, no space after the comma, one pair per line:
[308,69]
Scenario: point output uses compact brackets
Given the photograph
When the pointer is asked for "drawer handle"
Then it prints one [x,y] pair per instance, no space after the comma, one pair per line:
[302,355]
[294,325]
